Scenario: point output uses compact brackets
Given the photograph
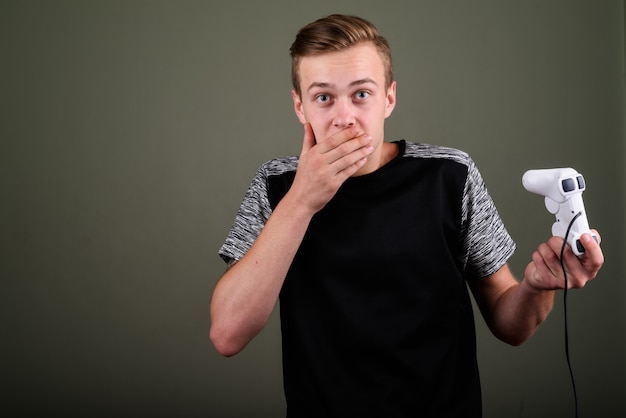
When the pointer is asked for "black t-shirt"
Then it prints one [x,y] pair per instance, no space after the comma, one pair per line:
[375,314]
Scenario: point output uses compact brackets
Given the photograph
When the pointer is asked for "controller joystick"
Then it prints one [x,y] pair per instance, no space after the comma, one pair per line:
[563,190]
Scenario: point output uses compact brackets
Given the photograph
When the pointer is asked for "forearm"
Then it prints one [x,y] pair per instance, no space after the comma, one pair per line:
[519,312]
[245,296]
[513,310]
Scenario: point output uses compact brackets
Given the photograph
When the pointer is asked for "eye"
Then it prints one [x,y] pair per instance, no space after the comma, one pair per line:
[362,95]
[322,98]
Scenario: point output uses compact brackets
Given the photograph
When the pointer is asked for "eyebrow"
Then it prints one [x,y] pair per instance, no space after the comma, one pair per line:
[354,83]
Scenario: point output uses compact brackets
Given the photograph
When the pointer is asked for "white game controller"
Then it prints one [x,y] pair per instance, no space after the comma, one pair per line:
[563,190]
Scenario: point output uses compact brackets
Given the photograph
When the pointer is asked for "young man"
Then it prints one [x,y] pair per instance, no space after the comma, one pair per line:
[371,246]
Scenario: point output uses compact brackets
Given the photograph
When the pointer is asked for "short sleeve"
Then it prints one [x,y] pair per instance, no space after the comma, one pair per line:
[486,243]
[251,218]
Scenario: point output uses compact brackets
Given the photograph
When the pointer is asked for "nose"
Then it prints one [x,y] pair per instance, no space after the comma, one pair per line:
[344,114]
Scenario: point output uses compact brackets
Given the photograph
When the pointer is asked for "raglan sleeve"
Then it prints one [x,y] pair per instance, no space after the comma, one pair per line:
[486,242]
[251,217]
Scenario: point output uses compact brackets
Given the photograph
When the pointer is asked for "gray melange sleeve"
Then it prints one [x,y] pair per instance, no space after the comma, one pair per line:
[250,220]
[486,243]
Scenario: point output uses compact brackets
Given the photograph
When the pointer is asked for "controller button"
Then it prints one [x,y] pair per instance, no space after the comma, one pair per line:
[568,185]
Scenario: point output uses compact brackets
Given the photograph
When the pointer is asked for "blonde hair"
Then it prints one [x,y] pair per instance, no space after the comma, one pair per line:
[335,33]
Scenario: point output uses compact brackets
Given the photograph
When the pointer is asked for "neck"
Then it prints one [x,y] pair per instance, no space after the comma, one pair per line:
[384,154]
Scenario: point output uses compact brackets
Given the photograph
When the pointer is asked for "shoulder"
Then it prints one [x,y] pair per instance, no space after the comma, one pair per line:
[278,166]
[421,150]
[273,169]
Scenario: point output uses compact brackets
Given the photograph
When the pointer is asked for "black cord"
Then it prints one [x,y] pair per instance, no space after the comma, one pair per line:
[567,356]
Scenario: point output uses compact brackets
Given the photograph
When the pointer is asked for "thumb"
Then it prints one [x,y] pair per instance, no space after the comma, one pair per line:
[309,138]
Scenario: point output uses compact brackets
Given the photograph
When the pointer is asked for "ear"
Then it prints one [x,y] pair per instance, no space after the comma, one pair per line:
[297,107]
[391,99]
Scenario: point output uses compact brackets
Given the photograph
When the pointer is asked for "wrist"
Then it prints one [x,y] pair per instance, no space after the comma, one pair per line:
[527,285]
[295,208]
[531,286]
[298,205]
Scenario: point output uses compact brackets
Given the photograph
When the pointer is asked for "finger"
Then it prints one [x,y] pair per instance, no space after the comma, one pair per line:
[543,275]
[590,244]
[593,257]
[586,266]
[334,141]
[546,261]
[309,138]
[350,151]
[550,254]
[597,234]
[577,275]
[577,270]
[556,244]
[353,167]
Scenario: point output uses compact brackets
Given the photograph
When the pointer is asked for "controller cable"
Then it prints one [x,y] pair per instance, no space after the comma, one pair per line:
[567,356]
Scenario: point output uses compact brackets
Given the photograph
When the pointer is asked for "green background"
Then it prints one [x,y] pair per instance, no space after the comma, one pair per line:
[130,131]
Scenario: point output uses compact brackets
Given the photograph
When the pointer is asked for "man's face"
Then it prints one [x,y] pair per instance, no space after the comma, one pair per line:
[342,89]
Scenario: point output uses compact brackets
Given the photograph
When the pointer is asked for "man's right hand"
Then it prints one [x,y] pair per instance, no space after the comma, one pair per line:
[325,165]
[245,296]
